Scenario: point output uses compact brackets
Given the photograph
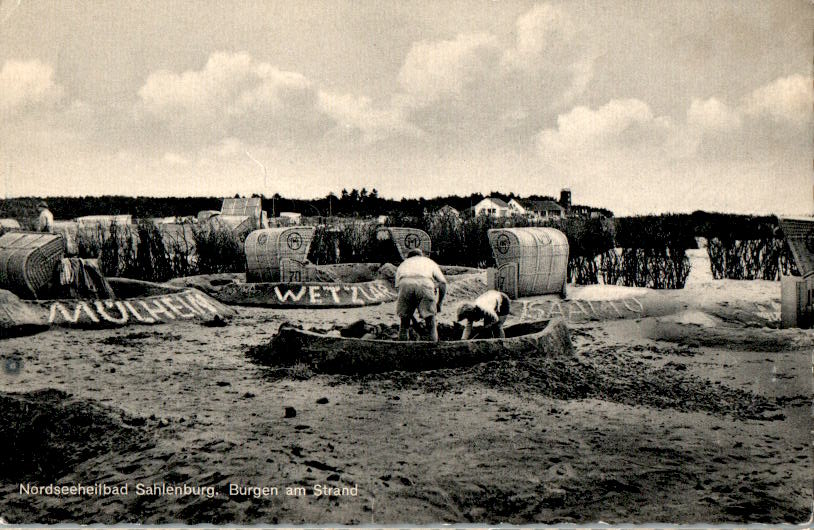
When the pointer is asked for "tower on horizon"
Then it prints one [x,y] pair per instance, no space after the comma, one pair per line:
[565,199]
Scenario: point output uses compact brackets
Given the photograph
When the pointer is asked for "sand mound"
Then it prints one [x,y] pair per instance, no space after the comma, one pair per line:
[292,346]
[465,287]
[45,434]
[18,318]
[693,317]
[729,337]
[604,292]
[605,374]
[362,329]
[348,272]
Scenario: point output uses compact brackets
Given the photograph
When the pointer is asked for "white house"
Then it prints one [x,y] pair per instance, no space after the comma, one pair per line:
[537,209]
[291,217]
[104,221]
[516,207]
[493,207]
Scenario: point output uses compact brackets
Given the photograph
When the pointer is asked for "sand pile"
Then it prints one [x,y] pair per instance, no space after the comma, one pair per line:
[46,433]
[605,374]
[330,352]
[348,272]
[18,318]
[729,337]
[465,287]
[361,329]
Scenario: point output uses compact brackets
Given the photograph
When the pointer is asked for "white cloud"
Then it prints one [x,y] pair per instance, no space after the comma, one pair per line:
[477,84]
[713,115]
[787,99]
[720,158]
[26,85]
[439,69]
[618,125]
[357,115]
[233,95]
[543,27]
[167,93]
[174,159]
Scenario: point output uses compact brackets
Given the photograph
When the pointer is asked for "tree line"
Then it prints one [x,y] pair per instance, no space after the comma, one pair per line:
[348,203]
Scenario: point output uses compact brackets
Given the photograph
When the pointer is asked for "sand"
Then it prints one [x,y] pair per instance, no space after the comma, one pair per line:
[698,416]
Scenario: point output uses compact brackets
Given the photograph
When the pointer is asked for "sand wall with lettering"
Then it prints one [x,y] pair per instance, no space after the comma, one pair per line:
[158,305]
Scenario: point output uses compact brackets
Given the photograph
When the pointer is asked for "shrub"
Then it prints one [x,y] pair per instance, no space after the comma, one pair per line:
[587,239]
[653,252]
[180,247]
[324,246]
[655,232]
[447,235]
[750,259]
[153,260]
[118,250]
[654,268]
[357,241]
[610,267]
[475,250]
[89,243]
[218,249]
[729,227]
[132,251]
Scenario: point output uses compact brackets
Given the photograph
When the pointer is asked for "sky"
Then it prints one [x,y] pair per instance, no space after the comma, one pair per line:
[636,106]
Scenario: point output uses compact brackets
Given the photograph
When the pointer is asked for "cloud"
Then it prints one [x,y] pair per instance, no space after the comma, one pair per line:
[712,127]
[785,100]
[540,30]
[356,115]
[619,125]
[771,119]
[719,157]
[233,95]
[471,87]
[480,85]
[435,70]
[27,86]
[174,159]
[713,115]
[549,50]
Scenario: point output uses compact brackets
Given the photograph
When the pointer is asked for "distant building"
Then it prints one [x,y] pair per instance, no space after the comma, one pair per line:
[104,221]
[537,209]
[205,215]
[165,220]
[589,212]
[447,210]
[517,208]
[565,200]
[493,207]
[580,211]
[291,217]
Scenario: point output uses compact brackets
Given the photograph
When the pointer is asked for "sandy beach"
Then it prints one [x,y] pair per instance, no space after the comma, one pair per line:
[654,419]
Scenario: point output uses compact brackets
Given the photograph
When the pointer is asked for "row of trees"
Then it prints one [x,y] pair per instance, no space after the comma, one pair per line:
[353,203]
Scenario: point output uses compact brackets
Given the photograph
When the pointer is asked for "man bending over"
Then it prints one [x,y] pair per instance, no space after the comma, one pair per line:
[492,307]
[418,278]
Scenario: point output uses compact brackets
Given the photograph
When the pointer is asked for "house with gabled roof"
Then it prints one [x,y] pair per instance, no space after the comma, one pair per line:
[537,209]
[493,207]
